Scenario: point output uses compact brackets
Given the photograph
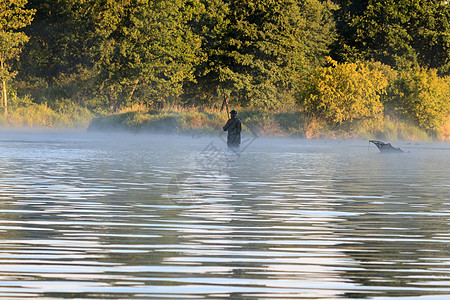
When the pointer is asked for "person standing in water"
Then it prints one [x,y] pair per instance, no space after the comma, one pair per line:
[233,127]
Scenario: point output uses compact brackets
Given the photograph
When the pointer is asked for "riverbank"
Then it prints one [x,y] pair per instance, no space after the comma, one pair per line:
[201,122]
[263,123]
[64,115]
[197,121]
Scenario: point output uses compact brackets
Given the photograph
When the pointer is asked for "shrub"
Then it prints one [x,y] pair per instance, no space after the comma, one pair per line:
[62,113]
[345,94]
[34,115]
[423,97]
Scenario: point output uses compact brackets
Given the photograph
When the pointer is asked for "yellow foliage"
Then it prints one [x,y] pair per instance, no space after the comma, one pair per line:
[424,97]
[344,93]
[445,132]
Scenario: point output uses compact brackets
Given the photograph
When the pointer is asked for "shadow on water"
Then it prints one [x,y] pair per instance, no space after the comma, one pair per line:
[110,216]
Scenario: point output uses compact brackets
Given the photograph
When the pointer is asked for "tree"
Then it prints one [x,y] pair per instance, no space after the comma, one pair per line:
[345,93]
[147,50]
[423,97]
[13,16]
[60,50]
[210,23]
[257,50]
[400,33]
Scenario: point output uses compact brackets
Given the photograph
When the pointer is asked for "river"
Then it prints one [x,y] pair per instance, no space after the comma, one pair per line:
[124,216]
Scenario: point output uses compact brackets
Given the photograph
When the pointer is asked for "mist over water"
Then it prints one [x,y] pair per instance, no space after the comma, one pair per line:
[123,216]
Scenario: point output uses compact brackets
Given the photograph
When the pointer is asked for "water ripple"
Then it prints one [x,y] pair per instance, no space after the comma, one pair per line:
[86,217]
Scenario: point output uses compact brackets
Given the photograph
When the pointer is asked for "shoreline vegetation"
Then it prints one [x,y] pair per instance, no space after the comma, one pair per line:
[203,122]
[312,69]
[282,123]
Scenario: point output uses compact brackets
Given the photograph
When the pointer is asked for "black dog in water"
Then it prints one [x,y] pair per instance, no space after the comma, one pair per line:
[385,148]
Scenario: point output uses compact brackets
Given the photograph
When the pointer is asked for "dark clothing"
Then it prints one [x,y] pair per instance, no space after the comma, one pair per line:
[233,127]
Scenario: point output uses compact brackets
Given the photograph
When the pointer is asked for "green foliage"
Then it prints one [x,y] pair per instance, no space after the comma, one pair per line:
[106,56]
[65,114]
[257,50]
[283,123]
[60,40]
[71,115]
[147,51]
[400,33]
[346,93]
[19,102]
[34,115]
[13,16]
[422,96]
[394,129]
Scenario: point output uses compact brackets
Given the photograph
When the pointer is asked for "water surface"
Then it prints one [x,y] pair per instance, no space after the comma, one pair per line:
[122,216]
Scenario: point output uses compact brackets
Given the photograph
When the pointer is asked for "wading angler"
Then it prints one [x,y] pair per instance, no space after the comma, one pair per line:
[233,127]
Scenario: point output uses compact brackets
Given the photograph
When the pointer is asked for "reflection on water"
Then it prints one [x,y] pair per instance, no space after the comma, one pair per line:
[106,216]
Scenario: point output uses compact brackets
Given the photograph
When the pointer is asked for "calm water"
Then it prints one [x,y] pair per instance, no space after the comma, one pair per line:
[117,216]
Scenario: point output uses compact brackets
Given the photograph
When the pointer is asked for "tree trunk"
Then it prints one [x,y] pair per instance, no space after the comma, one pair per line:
[5,99]
[132,91]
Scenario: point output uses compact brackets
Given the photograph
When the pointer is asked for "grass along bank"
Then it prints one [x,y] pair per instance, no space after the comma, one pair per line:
[265,123]
[175,119]
[65,114]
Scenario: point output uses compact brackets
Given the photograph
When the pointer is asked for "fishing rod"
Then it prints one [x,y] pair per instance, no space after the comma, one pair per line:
[225,103]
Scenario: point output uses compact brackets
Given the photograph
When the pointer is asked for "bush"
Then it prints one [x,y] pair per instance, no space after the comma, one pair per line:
[62,113]
[345,95]
[393,129]
[423,97]
[33,115]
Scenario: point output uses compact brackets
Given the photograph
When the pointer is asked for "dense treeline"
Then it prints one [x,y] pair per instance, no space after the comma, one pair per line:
[345,64]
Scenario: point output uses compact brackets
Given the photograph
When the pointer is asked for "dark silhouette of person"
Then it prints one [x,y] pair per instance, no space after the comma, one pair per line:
[233,127]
